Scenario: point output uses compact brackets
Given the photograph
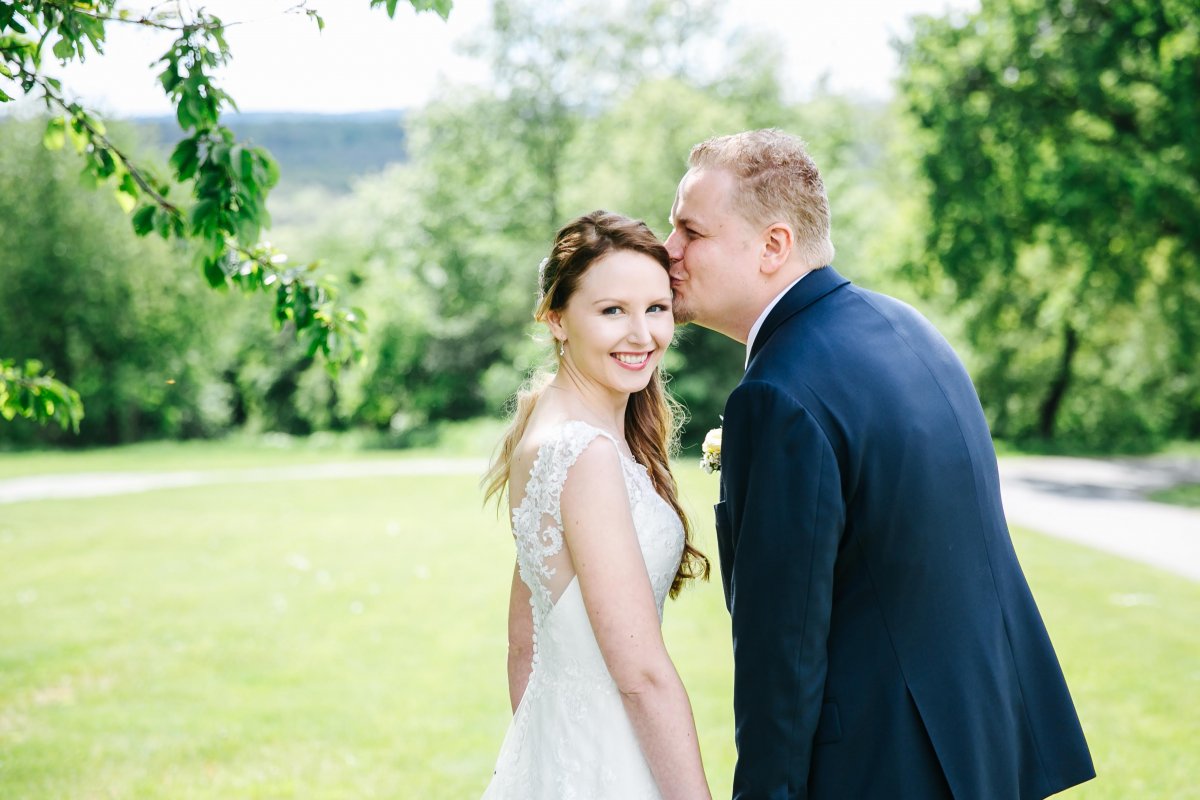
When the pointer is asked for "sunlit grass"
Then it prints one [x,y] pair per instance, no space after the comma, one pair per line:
[340,639]
[345,639]
[1126,636]
[267,451]
[1186,495]
[473,438]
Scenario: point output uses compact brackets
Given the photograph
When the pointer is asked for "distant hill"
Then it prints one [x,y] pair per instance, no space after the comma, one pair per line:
[327,150]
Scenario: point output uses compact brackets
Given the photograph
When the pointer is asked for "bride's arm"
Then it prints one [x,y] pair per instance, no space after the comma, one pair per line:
[600,535]
[520,639]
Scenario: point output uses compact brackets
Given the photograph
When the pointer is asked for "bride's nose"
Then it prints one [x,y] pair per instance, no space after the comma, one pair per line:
[639,329]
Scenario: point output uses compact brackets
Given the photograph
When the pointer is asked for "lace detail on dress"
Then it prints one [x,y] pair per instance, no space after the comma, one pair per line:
[537,521]
[570,738]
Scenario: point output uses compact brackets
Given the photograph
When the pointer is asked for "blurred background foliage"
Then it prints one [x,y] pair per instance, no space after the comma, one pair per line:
[1032,189]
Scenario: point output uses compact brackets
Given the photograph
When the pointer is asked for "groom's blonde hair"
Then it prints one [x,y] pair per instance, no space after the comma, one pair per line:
[777,181]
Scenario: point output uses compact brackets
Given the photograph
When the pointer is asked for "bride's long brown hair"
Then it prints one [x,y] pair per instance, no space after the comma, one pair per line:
[652,416]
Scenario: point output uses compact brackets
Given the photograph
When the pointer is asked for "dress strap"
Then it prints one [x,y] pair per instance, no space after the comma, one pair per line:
[557,455]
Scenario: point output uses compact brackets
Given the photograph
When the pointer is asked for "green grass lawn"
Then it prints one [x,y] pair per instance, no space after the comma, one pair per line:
[247,453]
[1186,495]
[345,639]
[474,439]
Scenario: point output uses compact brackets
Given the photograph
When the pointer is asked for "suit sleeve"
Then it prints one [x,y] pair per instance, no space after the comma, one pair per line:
[786,517]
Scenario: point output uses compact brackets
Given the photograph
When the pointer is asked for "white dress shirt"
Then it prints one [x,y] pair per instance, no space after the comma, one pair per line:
[758,323]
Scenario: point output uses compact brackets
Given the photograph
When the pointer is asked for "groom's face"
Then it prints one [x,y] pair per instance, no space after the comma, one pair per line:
[712,251]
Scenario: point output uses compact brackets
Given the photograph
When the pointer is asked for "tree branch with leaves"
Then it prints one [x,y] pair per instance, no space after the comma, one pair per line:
[228,180]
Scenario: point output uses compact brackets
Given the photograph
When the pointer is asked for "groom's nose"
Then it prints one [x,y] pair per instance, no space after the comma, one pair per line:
[674,247]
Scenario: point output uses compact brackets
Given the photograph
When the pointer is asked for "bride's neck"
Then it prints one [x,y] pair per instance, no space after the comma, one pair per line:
[592,402]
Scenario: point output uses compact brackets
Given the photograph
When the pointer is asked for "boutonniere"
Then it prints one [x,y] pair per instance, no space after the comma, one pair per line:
[710,451]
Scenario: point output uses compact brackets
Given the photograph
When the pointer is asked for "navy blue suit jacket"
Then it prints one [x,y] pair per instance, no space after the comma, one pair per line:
[886,644]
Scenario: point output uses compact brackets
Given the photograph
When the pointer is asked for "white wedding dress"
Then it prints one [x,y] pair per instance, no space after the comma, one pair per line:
[570,738]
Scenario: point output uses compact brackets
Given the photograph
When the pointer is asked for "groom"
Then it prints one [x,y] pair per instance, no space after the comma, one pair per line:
[886,644]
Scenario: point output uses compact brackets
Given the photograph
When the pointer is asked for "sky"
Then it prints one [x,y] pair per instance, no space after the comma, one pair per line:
[364,61]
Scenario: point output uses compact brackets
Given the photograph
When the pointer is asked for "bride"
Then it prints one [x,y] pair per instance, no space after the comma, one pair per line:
[599,711]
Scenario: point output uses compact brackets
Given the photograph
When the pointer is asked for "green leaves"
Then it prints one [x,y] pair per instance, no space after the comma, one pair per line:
[18,53]
[26,392]
[77,25]
[56,134]
[186,77]
[64,48]
[143,220]
[441,7]
[127,193]
[229,180]
[185,158]
[1046,133]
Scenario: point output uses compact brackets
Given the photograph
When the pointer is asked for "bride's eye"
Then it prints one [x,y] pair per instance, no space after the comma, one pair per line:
[659,307]
[611,310]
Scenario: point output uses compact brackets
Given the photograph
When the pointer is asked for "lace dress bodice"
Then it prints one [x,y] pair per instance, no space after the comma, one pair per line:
[570,738]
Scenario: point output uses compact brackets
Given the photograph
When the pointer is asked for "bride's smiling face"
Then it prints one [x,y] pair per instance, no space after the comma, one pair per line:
[617,323]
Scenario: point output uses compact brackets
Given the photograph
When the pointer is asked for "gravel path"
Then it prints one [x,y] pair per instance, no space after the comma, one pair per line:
[1097,502]
[1101,503]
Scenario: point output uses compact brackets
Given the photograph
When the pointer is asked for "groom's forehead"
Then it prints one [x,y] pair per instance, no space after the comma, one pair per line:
[685,196]
[678,198]
[700,192]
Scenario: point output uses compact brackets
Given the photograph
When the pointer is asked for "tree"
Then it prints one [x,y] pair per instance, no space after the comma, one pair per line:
[375,235]
[228,180]
[1061,145]
[595,105]
[555,64]
[141,343]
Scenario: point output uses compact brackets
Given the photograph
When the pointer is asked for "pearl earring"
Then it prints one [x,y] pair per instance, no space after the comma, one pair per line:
[562,347]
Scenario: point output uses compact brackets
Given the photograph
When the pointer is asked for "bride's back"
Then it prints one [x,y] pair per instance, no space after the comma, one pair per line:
[539,470]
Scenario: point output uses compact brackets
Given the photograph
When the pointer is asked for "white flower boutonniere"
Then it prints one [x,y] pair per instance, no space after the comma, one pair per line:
[710,451]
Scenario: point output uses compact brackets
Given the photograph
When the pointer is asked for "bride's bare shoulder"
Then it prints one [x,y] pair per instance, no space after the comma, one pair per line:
[549,430]
[537,433]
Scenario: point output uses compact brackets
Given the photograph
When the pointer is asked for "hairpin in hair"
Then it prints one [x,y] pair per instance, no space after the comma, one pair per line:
[542,278]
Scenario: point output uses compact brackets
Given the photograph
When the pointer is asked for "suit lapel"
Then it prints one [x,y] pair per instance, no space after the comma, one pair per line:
[815,285]
[812,288]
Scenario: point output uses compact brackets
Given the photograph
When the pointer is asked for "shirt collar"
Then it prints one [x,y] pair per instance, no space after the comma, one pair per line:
[758,323]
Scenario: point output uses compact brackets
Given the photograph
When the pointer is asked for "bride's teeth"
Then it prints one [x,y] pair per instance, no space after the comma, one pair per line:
[627,359]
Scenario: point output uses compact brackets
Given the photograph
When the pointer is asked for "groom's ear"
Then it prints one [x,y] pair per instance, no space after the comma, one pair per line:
[778,240]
